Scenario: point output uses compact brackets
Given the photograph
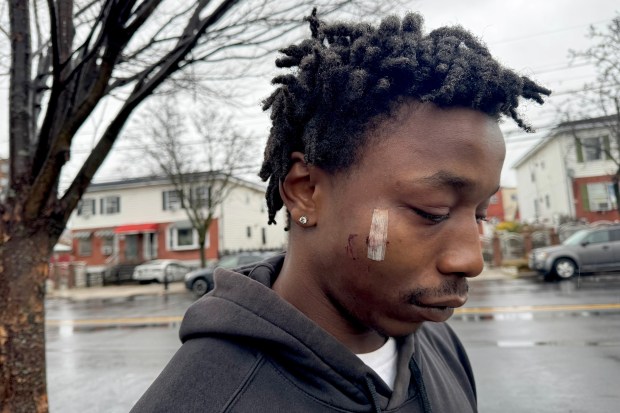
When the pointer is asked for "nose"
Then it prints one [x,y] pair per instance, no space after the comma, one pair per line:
[462,251]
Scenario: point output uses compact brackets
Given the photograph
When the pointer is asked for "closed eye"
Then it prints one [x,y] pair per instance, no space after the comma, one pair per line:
[435,219]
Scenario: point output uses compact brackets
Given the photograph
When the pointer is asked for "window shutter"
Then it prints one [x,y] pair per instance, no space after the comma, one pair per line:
[579,149]
[163,199]
[607,147]
[102,206]
[584,197]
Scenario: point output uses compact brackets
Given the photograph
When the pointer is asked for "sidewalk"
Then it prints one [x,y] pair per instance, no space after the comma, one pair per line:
[500,273]
[116,291]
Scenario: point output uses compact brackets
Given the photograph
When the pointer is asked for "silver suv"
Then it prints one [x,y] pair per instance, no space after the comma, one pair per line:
[588,250]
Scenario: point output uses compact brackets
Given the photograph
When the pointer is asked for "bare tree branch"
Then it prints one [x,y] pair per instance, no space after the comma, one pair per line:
[202,183]
[20,122]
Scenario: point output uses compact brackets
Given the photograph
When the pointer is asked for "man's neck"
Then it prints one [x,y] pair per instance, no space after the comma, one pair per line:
[297,285]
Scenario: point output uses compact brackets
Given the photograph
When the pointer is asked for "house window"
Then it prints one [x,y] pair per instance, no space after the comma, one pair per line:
[86,207]
[592,149]
[183,237]
[264,235]
[547,202]
[200,196]
[110,205]
[493,200]
[601,197]
[533,177]
[107,245]
[248,232]
[85,247]
[171,200]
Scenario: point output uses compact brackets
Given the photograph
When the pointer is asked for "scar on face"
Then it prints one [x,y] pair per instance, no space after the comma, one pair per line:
[350,250]
[377,238]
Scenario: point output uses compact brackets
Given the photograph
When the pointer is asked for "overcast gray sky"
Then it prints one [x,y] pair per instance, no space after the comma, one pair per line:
[530,36]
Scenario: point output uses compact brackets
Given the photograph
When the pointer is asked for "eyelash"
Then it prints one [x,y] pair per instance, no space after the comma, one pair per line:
[437,219]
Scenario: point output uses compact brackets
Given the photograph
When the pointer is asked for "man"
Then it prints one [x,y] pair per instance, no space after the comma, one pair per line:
[385,150]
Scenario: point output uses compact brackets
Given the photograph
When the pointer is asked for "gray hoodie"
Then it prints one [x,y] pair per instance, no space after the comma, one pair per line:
[247,350]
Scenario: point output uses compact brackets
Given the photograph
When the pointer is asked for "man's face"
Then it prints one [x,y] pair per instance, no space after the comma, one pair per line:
[430,173]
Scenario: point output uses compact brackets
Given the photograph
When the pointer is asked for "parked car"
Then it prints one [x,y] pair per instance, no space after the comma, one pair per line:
[201,281]
[157,270]
[588,250]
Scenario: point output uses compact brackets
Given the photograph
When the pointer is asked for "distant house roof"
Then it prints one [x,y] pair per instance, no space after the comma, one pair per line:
[575,125]
[156,180]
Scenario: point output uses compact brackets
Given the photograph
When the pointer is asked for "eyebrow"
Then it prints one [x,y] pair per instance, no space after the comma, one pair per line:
[443,179]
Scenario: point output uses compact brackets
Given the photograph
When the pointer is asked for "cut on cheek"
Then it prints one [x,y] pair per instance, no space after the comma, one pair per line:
[377,238]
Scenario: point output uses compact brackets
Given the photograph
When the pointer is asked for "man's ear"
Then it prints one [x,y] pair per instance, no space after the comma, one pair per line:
[297,191]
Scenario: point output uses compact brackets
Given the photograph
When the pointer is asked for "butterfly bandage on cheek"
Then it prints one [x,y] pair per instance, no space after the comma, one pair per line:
[377,238]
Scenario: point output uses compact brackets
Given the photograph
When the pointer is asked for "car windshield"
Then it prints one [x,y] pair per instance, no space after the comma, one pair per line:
[228,262]
[576,238]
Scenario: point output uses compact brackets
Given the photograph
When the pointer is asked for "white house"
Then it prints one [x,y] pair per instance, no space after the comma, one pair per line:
[569,173]
[134,220]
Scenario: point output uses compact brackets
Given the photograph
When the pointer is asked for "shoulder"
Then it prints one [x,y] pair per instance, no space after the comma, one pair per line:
[443,353]
[205,373]
[440,336]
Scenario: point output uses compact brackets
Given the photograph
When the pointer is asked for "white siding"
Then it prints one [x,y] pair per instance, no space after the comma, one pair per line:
[542,180]
[137,206]
[246,208]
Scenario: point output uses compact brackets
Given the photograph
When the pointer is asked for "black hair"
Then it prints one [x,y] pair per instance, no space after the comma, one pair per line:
[349,74]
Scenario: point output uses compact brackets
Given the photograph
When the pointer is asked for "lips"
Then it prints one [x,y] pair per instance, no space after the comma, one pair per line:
[451,302]
[437,310]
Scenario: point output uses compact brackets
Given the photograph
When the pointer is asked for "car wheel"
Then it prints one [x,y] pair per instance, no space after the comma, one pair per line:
[200,287]
[564,268]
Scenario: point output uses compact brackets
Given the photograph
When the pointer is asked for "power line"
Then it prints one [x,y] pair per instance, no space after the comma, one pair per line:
[548,32]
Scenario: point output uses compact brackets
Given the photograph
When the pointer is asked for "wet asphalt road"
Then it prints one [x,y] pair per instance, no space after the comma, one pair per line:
[562,354]
[534,346]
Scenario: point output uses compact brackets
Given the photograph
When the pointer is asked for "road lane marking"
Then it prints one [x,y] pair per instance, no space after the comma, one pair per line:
[537,308]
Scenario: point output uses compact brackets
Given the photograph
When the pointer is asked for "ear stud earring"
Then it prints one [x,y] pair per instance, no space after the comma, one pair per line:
[303,220]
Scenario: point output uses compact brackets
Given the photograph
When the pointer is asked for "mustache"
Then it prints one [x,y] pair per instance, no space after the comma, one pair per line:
[458,287]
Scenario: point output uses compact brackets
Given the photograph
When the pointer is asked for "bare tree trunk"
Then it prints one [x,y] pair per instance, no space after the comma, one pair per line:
[203,254]
[203,233]
[22,325]
[616,184]
[616,131]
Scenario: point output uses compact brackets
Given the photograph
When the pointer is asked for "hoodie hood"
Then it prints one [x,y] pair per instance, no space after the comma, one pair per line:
[243,308]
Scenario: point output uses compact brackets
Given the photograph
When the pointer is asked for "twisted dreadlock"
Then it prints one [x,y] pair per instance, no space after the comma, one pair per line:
[350,74]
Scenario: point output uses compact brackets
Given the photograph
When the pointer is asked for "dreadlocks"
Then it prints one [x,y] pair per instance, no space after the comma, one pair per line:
[350,74]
